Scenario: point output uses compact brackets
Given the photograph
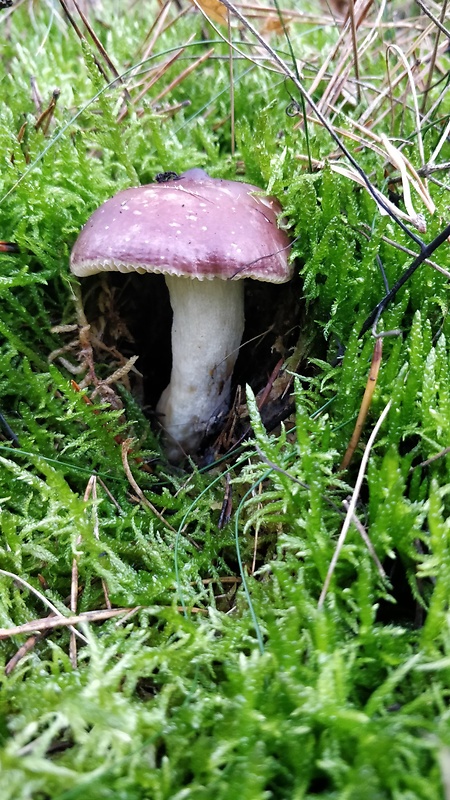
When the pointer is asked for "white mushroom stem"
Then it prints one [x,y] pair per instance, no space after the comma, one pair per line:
[208,323]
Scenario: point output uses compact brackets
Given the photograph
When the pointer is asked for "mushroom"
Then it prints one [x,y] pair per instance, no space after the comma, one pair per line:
[204,234]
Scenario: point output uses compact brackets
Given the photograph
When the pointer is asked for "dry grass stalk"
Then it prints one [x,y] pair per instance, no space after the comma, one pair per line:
[352,505]
[408,174]
[432,64]
[346,45]
[156,74]
[385,92]
[154,32]
[365,403]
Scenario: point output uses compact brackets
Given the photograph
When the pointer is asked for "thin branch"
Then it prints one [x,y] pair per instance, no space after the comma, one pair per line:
[41,597]
[406,250]
[438,24]
[50,623]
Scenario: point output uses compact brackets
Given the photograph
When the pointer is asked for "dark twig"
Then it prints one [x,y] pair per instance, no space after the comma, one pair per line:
[8,432]
[438,24]
[426,252]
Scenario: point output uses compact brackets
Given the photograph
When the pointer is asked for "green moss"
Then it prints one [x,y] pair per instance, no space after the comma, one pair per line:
[225,681]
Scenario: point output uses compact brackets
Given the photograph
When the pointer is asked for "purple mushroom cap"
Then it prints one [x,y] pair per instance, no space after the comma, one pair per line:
[195,226]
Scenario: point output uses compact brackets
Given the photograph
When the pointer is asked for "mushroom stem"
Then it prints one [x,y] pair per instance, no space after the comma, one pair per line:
[208,323]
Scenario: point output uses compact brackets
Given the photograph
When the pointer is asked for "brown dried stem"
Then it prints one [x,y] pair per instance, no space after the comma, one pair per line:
[365,403]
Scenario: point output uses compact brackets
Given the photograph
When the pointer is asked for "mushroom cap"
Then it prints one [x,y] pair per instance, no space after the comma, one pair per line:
[194,226]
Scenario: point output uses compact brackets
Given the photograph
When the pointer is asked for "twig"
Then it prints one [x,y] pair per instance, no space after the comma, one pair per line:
[50,623]
[156,75]
[427,251]
[352,505]
[403,249]
[110,495]
[41,597]
[431,459]
[26,648]
[179,78]
[438,24]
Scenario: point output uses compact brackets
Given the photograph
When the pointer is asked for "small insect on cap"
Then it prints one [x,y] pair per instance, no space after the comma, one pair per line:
[195,226]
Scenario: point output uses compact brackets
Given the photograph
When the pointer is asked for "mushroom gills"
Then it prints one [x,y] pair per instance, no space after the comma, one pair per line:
[207,328]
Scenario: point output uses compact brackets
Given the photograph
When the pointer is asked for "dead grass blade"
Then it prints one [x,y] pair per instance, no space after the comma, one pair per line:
[158,73]
[432,64]
[100,47]
[179,78]
[294,78]
[390,82]
[365,403]
[352,505]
